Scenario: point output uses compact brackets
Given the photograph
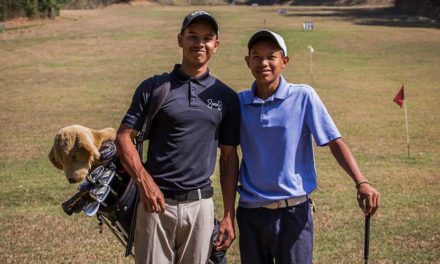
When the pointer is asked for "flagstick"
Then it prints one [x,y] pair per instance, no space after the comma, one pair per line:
[311,67]
[311,63]
[406,124]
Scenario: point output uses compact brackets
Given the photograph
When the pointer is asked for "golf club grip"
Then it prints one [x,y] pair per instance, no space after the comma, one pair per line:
[75,202]
[367,239]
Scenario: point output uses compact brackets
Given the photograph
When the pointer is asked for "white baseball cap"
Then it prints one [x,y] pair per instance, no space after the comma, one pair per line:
[264,33]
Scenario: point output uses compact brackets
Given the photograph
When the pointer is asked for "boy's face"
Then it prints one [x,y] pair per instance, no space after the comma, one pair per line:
[266,61]
[198,42]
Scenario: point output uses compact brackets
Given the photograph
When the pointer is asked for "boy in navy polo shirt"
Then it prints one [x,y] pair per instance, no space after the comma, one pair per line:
[277,173]
[175,217]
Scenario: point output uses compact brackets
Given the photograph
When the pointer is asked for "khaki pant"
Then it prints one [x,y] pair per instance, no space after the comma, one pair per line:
[183,234]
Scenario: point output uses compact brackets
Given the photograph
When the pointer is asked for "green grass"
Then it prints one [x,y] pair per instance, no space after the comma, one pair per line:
[83,67]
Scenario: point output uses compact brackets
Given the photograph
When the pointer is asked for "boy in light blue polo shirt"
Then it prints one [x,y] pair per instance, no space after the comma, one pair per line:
[279,121]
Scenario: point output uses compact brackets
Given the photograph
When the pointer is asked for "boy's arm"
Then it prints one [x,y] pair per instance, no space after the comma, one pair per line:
[368,197]
[228,182]
[150,194]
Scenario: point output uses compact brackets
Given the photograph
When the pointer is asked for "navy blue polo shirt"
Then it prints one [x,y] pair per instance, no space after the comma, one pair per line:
[197,115]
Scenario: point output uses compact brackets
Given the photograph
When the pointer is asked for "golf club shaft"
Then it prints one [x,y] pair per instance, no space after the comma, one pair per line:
[367,239]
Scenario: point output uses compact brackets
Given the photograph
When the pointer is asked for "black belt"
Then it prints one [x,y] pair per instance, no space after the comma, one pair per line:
[193,195]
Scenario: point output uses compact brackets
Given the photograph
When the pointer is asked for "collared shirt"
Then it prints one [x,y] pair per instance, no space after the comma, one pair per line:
[197,115]
[276,141]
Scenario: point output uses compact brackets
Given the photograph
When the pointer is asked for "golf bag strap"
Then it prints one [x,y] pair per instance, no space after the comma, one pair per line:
[156,98]
[132,226]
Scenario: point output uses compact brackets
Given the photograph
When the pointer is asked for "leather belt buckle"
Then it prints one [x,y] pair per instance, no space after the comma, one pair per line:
[287,202]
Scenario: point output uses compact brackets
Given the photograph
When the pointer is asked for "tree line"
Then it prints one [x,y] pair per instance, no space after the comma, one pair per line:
[51,8]
[30,8]
[45,8]
[430,8]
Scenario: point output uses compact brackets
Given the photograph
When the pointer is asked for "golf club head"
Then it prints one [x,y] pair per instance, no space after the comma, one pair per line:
[111,166]
[91,208]
[95,174]
[107,151]
[99,193]
[107,177]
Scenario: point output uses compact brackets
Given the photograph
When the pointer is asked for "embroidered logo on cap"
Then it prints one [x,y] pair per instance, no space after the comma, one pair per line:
[201,12]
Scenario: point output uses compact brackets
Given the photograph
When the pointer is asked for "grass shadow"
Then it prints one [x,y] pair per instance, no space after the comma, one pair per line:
[378,16]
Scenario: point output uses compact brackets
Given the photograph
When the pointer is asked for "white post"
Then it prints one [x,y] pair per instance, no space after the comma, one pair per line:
[311,63]
[406,124]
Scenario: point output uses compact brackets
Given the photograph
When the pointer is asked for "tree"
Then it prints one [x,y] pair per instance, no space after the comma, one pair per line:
[30,8]
[429,8]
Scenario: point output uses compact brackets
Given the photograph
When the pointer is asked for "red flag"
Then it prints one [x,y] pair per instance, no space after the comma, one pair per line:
[400,97]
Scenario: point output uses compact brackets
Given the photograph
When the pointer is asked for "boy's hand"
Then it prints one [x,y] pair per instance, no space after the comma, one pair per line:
[226,234]
[368,198]
[151,196]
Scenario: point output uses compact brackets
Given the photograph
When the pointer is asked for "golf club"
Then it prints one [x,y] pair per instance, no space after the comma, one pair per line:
[91,208]
[367,239]
[107,151]
[77,202]
[86,185]
[99,193]
[106,177]
[95,174]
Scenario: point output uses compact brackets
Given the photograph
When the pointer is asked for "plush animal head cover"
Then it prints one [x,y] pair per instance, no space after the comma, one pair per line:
[75,150]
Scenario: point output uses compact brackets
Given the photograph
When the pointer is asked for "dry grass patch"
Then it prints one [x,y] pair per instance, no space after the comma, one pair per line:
[83,67]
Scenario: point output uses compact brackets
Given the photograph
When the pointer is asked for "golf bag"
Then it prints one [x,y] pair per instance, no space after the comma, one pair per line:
[109,193]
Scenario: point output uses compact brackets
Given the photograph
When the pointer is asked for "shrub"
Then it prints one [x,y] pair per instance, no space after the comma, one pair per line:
[429,8]
[30,8]
[45,8]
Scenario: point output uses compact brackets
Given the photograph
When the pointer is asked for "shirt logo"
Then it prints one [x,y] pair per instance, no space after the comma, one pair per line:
[215,105]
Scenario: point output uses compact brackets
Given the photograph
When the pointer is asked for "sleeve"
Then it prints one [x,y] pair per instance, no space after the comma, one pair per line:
[135,115]
[318,120]
[229,129]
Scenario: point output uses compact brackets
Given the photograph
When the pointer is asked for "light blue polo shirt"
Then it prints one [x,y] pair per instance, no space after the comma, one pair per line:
[276,141]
